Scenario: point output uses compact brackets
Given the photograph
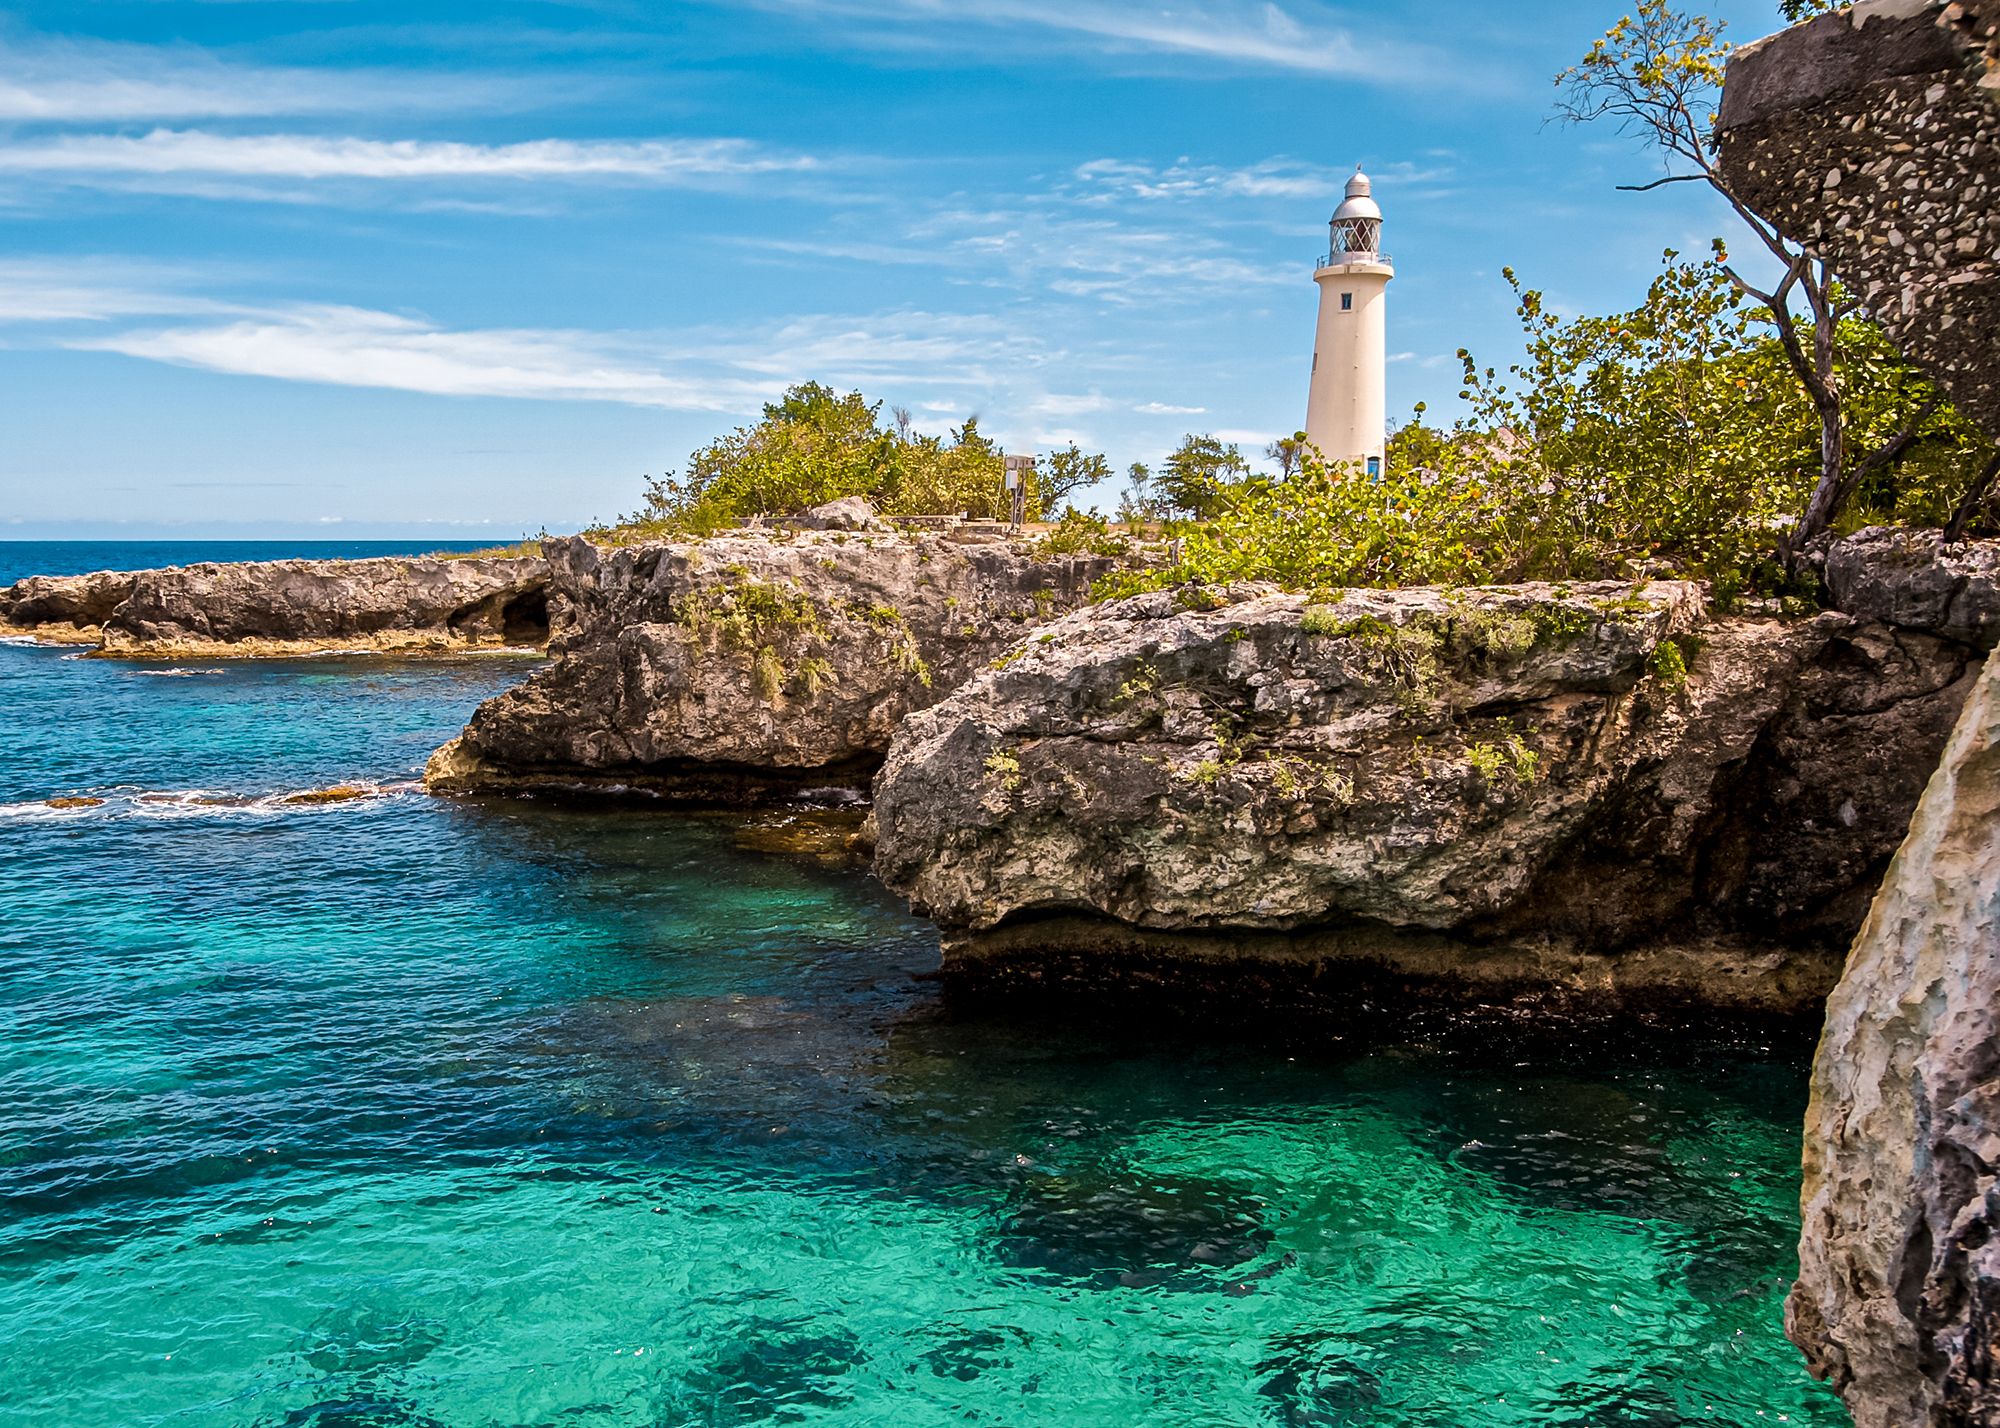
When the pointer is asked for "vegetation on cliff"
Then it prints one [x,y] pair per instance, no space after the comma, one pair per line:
[1669,439]
[815,445]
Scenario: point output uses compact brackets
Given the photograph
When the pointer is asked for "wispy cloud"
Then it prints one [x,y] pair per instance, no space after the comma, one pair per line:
[1121,180]
[56,80]
[949,361]
[91,290]
[354,347]
[1167,409]
[311,157]
[1080,256]
[1104,181]
[1241,33]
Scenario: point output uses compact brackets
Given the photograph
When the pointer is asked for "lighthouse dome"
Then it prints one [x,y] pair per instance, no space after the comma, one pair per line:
[1360,201]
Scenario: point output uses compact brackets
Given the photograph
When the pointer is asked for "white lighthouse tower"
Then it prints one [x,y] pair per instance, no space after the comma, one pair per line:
[1347,412]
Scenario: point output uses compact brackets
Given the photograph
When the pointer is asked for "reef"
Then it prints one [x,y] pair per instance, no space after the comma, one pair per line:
[399,605]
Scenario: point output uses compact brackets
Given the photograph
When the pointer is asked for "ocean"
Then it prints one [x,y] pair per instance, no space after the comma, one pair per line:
[409,1111]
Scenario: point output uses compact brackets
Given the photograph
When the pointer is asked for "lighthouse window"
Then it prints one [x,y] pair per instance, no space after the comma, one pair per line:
[1347,302]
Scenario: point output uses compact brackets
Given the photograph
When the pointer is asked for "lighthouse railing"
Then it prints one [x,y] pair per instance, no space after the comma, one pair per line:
[1336,260]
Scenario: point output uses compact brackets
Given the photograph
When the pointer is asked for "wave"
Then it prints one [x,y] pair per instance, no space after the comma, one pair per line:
[208,802]
[174,673]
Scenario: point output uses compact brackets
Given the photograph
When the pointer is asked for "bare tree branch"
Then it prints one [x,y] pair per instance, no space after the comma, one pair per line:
[1662,183]
[1969,505]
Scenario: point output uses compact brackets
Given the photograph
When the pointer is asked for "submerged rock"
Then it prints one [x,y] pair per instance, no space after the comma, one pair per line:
[288,607]
[1898,1299]
[729,668]
[1591,796]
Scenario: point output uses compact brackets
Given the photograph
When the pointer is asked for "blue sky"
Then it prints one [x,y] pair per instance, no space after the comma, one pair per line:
[351,268]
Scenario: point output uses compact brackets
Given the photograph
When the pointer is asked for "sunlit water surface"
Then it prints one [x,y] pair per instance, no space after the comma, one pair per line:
[412,1112]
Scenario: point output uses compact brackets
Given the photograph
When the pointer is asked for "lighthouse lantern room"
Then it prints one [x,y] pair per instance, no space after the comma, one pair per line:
[1347,410]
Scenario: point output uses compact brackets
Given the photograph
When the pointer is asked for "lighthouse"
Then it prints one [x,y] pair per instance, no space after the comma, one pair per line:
[1347,411]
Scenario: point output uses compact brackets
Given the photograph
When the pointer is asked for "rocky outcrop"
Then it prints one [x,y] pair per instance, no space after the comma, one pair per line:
[1898,1299]
[1594,797]
[1910,579]
[282,607]
[754,663]
[66,609]
[1872,136]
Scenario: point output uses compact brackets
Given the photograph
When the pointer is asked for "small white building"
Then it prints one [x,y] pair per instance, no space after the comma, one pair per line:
[1347,412]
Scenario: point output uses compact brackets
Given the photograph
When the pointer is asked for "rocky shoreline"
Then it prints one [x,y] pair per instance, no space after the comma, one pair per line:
[754,665]
[278,608]
[1599,799]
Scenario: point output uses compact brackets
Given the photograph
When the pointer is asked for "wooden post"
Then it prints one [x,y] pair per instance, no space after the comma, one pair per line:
[1017,468]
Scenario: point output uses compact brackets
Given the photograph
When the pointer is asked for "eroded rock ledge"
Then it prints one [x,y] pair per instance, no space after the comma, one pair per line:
[756,663]
[1596,797]
[397,605]
[1898,1298]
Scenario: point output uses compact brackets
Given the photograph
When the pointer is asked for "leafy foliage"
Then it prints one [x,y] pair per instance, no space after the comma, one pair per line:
[815,445]
[1657,74]
[1670,439]
[1194,478]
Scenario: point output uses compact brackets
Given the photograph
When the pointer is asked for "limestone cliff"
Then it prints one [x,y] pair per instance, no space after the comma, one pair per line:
[1596,796]
[754,662]
[281,607]
[1872,136]
[1898,1298]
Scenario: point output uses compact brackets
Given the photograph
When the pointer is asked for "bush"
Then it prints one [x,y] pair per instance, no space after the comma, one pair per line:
[1669,440]
[815,445]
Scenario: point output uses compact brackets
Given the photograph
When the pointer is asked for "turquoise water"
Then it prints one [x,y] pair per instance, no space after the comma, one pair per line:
[412,1112]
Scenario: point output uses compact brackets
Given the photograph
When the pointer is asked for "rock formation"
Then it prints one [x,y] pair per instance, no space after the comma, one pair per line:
[1872,136]
[1905,577]
[64,609]
[281,607]
[1898,1299]
[754,662]
[1595,796]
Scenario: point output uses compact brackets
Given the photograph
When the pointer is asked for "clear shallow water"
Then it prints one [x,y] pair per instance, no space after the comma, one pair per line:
[408,1112]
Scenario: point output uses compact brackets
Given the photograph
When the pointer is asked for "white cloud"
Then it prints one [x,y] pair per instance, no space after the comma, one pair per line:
[1088,257]
[353,347]
[1120,180]
[1167,409]
[1246,33]
[94,290]
[1103,181]
[310,157]
[73,81]
[1002,365]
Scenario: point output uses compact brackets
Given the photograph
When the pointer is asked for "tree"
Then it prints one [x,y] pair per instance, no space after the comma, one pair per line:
[1138,504]
[1657,73]
[1198,474]
[1062,473]
[1287,452]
